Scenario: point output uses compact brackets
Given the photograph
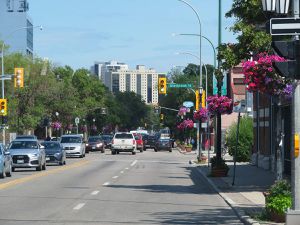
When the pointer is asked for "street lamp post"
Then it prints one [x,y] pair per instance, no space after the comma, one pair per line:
[2,65]
[199,138]
[200,61]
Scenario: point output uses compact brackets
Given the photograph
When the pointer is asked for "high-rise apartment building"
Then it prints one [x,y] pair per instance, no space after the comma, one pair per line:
[117,77]
[14,17]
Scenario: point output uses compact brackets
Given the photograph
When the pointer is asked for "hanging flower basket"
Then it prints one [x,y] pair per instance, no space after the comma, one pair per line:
[261,76]
[219,104]
[182,111]
[84,128]
[186,124]
[56,125]
[69,127]
[201,115]
[94,128]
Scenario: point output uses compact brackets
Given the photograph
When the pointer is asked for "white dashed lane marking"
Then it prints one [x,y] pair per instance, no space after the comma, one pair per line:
[79,206]
[115,177]
[133,163]
[106,184]
[94,192]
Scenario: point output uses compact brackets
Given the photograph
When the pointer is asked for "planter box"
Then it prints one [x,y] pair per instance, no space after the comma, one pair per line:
[278,218]
[188,149]
[219,172]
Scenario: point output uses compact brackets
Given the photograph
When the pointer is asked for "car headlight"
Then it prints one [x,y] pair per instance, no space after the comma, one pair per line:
[99,145]
[34,155]
[86,144]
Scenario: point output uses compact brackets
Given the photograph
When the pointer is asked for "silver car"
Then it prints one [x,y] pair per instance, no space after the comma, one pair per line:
[27,153]
[5,163]
[73,144]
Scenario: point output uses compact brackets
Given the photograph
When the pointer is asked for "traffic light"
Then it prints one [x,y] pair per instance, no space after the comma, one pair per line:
[162,116]
[197,99]
[3,107]
[162,85]
[19,77]
[203,100]
[290,50]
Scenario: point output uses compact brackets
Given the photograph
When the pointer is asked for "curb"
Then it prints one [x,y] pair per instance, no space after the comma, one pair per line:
[240,213]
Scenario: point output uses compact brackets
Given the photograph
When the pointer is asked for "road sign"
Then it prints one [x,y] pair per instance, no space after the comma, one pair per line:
[188,104]
[77,120]
[173,85]
[224,86]
[285,26]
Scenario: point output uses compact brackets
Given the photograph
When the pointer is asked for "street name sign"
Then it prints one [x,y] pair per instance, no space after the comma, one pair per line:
[285,26]
[173,85]
[77,120]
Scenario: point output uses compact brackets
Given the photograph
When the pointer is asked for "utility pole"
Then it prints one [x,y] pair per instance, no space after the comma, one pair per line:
[293,216]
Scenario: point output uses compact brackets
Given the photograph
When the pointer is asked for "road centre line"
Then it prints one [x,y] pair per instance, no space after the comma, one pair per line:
[122,171]
[126,168]
[94,192]
[115,177]
[133,163]
[41,174]
[79,206]
[106,184]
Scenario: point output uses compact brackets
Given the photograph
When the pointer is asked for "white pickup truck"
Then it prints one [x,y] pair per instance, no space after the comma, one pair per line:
[123,142]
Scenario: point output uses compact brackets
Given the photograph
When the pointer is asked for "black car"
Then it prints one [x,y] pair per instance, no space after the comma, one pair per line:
[95,143]
[107,138]
[150,141]
[163,144]
[54,152]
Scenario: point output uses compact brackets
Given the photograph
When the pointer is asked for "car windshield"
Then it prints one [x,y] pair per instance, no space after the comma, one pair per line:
[24,145]
[71,140]
[106,137]
[25,137]
[95,139]
[51,145]
[123,136]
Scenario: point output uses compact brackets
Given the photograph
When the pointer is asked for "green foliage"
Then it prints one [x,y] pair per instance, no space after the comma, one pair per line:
[245,139]
[279,198]
[218,163]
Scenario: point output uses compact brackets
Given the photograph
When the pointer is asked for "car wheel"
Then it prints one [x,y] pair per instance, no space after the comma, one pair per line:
[13,169]
[2,175]
[8,174]
[39,168]
[81,156]
[118,152]
[155,149]
[44,166]
[170,150]
[141,150]
[61,163]
[133,153]
[103,151]
[113,152]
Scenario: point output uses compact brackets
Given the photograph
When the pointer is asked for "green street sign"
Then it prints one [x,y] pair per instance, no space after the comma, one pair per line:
[173,85]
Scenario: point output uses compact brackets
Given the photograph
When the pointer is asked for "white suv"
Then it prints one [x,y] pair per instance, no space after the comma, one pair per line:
[123,142]
[73,145]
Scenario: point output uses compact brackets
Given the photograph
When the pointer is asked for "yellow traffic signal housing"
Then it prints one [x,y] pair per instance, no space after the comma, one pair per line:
[3,107]
[19,77]
[203,100]
[162,117]
[162,85]
[197,99]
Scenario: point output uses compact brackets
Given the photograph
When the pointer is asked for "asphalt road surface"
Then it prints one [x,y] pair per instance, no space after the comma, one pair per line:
[146,188]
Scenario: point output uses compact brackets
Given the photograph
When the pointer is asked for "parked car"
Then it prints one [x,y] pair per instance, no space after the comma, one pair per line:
[107,138]
[26,137]
[163,144]
[5,163]
[73,144]
[95,143]
[27,153]
[54,152]
[150,141]
[139,142]
[123,142]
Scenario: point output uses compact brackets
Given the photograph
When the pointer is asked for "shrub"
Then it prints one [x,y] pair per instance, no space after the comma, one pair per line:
[245,139]
[221,164]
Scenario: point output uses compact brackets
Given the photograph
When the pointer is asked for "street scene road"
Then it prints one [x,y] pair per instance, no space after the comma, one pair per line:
[146,188]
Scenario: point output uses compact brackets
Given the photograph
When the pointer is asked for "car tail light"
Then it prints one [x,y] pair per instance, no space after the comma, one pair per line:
[133,142]
[112,141]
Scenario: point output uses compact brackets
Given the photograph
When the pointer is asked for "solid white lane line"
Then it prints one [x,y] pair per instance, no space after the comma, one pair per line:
[79,206]
[94,192]
[133,163]
[126,168]
[122,171]
[115,177]
[106,184]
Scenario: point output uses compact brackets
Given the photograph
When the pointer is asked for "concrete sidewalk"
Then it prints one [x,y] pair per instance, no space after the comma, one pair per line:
[246,195]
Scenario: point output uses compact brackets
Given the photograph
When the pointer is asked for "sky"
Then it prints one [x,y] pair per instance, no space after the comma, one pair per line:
[137,32]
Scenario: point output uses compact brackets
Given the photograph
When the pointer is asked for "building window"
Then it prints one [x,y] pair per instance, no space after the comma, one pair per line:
[138,84]
[128,86]
[115,83]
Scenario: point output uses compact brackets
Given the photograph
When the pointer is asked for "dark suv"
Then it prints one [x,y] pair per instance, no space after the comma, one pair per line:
[95,143]
[150,141]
